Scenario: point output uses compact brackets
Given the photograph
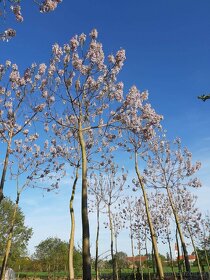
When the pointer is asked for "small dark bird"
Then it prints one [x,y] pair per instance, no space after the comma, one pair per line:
[204,97]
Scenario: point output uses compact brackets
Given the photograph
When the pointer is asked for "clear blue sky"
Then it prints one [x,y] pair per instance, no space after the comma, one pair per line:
[167,46]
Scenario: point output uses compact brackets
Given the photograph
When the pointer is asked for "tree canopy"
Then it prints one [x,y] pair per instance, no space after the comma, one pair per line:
[53,254]
[21,234]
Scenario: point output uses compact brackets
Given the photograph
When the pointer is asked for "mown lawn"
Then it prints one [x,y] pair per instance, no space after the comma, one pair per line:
[104,271]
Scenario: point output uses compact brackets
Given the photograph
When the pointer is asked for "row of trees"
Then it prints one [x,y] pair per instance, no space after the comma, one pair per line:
[51,255]
[89,121]
[130,212]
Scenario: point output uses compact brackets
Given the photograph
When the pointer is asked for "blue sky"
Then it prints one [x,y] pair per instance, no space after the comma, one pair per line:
[167,47]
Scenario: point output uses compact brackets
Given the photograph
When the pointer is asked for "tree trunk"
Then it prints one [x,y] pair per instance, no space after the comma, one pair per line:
[153,261]
[132,249]
[112,243]
[148,269]
[85,221]
[178,256]
[171,257]
[3,176]
[196,252]
[71,240]
[206,255]
[140,262]
[9,240]
[152,232]
[116,260]
[207,261]
[97,239]
[184,248]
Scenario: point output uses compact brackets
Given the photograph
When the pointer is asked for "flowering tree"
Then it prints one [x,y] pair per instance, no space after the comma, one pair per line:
[29,165]
[95,200]
[171,168]
[205,238]
[165,224]
[113,184]
[20,106]
[128,215]
[158,212]
[67,153]
[190,218]
[72,233]
[80,89]
[141,228]
[15,8]
[140,121]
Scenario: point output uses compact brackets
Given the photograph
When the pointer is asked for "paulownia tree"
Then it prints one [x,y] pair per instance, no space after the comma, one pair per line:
[190,218]
[140,121]
[113,184]
[141,230]
[117,226]
[20,106]
[96,204]
[165,224]
[29,165]
[81,88]
[205,239]
[68,154]
[128,216]
[169,167]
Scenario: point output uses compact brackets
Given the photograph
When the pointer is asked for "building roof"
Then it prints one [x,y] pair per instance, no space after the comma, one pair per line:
[137,259]
[190,257]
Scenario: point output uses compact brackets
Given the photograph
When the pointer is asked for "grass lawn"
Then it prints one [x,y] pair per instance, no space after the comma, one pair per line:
[104,271]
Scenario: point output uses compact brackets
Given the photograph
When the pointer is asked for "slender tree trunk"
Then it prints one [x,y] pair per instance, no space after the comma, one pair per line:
[140,262]
[207,261]
[112,242]
[148,268]
[171,257]
[116,260]
[132,249]
[152,232]
[178,256]
[9,240]
[153,261]
[184,248]
[3,176]
[196,252]
[206,255]
[85,221]
[72,233]
[97,239]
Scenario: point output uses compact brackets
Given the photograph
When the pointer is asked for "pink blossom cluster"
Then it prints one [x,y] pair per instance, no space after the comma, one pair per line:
[8,34]
[34,163]
[19,105]
[17,12]
[137,117]
[49,5]
[170,166]
[189,214]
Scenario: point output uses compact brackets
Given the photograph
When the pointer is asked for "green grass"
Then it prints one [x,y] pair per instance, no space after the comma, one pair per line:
[104,271]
